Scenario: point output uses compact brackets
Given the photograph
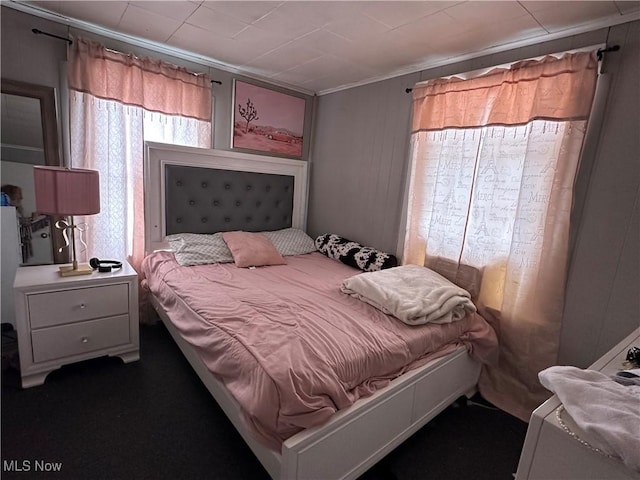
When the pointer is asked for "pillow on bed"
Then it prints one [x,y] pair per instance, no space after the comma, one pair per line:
[353,254]
[291,241]
[250,249]
[199,249]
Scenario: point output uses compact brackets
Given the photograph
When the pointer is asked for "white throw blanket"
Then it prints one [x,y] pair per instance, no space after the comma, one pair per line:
[609,413]
[411,293]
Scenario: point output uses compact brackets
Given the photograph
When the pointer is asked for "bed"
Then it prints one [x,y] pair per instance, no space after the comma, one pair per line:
[320,434]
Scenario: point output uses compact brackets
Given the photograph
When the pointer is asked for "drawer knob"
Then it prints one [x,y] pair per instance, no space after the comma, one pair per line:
[85,340]
[82,305]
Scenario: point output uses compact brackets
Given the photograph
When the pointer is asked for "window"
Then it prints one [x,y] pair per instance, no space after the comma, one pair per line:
[117,102]
[493,163]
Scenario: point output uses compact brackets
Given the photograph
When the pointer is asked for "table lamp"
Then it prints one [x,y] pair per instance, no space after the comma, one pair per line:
[67,192]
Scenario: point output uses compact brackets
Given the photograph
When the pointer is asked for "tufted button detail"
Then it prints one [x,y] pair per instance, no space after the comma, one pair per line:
[192,202]
[179,220]
[268,188]
[248,219]
[204,219]
[249,187]
[238,203]
[267,218]
[258,203]
[216,203]
[179,183]
[227,186]
[227,219]
[277,203]
[204,184]
[286,189]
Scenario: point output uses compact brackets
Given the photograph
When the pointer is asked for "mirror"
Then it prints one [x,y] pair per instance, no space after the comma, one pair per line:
[30,137]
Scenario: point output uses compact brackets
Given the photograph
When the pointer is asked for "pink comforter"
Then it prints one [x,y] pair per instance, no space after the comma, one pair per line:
[290,347]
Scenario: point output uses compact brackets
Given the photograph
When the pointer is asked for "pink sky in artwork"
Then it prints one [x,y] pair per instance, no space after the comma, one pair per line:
[274,108]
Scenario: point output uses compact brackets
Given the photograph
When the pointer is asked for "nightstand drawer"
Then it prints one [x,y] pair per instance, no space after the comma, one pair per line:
[68,306]
[68,340]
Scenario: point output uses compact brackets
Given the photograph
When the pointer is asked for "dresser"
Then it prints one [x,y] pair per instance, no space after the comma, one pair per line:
[550,452]
[62,320]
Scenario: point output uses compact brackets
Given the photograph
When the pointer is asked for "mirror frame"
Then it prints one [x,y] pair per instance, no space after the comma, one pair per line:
[47,97]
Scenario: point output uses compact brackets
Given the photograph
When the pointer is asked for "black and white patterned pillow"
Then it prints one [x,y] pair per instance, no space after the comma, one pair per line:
[353,254]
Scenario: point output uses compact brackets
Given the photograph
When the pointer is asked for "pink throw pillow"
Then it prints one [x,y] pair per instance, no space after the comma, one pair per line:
[252,249]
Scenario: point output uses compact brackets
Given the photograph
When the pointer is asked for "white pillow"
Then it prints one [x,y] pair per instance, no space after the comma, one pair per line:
[291,241]
[199,249]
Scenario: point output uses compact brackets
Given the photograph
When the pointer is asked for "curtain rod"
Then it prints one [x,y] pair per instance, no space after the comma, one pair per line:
[40,32]
[601,51]
[599,55]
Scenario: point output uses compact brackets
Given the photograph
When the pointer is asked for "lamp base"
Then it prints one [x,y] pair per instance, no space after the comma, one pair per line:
[68,271]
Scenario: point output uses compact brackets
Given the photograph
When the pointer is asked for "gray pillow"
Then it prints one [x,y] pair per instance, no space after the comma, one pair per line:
[199,249]
[291,241]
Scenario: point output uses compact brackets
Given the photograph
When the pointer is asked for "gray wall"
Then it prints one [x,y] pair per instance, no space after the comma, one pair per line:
[359,163]
[603,296]
[28,57]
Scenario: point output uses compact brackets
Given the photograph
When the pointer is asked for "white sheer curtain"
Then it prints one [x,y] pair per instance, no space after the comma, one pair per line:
[117,101]
[109,136]
[493,164]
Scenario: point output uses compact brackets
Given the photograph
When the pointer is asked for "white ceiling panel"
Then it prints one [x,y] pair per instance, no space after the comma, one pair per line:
[325,41]
[285,57]
[554,16]
[289,21]
[361,28]
[178,11]
[396,14]
[148,24]
[217,22]
[490,14]
[246,12]
[194,39]
[88,11]
[324,46]
[254,42]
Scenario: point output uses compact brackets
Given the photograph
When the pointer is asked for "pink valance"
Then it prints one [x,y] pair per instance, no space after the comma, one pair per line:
[548,89]
[152,84]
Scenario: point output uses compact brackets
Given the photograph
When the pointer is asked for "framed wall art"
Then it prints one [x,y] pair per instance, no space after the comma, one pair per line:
[267,121]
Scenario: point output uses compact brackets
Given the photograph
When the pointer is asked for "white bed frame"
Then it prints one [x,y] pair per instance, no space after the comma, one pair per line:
[355,438]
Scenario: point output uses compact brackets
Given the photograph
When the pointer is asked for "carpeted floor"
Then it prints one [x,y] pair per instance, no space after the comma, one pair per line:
[154,419]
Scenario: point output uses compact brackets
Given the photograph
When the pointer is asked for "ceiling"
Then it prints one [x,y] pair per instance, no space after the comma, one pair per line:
[324,46]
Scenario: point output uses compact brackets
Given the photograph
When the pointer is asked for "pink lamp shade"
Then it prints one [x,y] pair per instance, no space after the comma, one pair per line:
[66,191]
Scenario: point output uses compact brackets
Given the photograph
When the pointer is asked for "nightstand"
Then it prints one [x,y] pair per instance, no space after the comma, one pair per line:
[549,452]
[61,320]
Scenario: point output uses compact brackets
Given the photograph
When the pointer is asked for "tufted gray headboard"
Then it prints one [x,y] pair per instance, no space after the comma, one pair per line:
[197,190]
[208,200]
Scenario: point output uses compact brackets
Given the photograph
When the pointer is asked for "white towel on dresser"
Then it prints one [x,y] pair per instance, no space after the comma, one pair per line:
[607,411]
[411,293]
